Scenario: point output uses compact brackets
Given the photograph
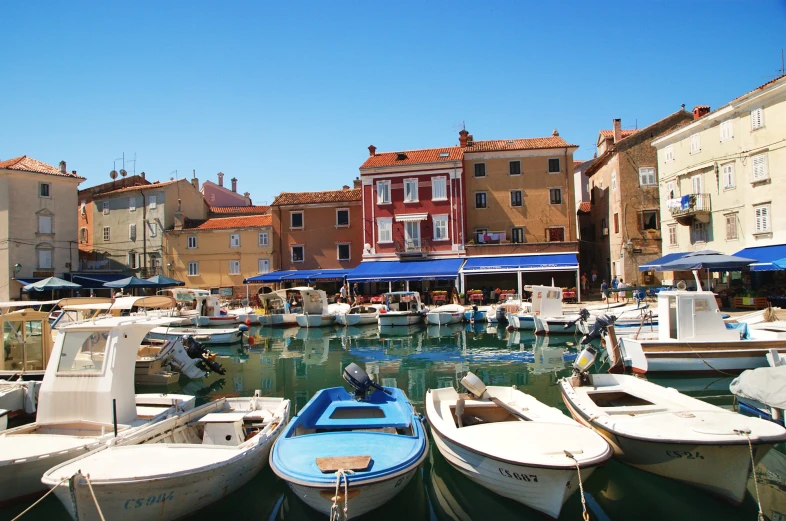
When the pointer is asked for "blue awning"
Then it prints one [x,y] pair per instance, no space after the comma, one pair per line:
[307,275]
[768,258]
[514,263]
[273,276]
[389,271]
[657,263]
[94,280]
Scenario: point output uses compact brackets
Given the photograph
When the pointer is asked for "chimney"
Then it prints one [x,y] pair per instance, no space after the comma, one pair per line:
[463,138]
[555,133]
[142,175]
[63,169]
[617,130]
[234,184]
[372,150]
[195,182]
[221,179]
[470,140]
[356,183]
[345,187]
[73,172]
[699,111]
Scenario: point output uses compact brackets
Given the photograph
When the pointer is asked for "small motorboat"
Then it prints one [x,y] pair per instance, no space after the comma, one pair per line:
[481,435]
[662,431]
[280,308]
[359,315]
[479,313]
[546,301]
[205,335]
[203,308]
[447,314]
[368,445]
[175,467]
[402,308]
[315,310]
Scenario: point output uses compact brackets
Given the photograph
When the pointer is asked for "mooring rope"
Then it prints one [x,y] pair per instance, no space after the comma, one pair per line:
[584,514]
[28,509]
[335,511]
[753,470]
[95,500]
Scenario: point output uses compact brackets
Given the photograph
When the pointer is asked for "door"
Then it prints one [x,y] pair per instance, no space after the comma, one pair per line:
[412,236]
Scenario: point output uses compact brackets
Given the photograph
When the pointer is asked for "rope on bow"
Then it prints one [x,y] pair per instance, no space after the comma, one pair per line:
[335,511]
[746,433]
[584,514]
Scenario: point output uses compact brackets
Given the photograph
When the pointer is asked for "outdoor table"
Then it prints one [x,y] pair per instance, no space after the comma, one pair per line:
[569,295]
[439,298]
[476,297]
[378,300]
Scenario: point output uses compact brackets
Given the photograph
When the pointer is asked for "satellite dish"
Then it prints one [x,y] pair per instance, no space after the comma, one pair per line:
[682,286]
[123,172]
[113,174]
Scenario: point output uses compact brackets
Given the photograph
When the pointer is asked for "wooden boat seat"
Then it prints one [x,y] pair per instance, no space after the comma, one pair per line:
[354,463]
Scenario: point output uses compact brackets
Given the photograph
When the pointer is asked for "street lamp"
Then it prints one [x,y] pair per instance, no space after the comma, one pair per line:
[17,268]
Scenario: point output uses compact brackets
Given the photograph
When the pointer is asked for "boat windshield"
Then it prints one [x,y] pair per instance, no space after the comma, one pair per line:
[83,351]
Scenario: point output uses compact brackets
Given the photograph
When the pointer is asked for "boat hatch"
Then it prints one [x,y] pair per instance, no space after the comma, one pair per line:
[354,413]
[616,399]
[479,413]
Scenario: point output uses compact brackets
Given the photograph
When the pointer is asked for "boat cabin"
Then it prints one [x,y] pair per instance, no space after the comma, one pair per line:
[546,300]
[403,301]
[27,341]
[691,315]
[199,300]
[308,301]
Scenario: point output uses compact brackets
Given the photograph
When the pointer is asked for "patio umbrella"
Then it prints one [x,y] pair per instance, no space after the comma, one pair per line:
[130,283]
[707,260]
[165,282]
[51,284]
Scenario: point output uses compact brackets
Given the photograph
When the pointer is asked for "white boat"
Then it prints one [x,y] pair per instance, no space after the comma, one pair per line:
[663,431]
[18,397]
[546,301]
[175,467]
[246,315]
[205,335]
[480,313]
[313,310]
[402,308]
[512,444]
[629,318]
[692,336]
[82,400]
[276,309]
[447,314]
[204,309]
[359,315]
[512,305]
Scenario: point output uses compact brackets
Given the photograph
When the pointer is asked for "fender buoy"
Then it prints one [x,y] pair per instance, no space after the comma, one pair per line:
[248,321]
[251,340]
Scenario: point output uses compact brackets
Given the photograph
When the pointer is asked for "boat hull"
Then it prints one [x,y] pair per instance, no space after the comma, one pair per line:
[441,319]
[523,322]
[356,319]
[205,337]
[315,320]
[399,319]
[475,316]
[278,320]
[362,498]
[543,489]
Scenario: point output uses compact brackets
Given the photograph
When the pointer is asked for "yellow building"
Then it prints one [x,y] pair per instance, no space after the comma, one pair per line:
[218,253]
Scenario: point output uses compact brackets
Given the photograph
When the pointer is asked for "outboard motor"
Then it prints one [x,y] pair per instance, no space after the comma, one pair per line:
[589,354]
[502,314]
[205,359]
[359,380]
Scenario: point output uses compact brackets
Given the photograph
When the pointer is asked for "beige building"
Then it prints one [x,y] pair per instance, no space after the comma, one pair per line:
[129,224]
[722,178]
[37,223]
[219,253]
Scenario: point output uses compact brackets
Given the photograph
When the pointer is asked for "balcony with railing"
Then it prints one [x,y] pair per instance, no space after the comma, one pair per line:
[412,247]
[690,208]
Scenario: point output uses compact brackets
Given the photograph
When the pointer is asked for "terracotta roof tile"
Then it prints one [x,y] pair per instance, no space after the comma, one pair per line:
[329,196]
[28,164]
[625,133]
[225,223]
[414,157]
[761,87]
[151,186]
[517,144]
[585,206]
[240,209]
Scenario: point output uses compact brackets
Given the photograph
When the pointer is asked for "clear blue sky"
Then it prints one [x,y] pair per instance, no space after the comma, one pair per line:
[286,96]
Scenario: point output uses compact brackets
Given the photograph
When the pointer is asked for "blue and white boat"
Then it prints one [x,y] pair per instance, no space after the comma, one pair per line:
[365,446]
[478,313]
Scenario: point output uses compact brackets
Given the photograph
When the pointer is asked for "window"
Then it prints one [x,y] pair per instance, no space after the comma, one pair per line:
[263,265]
[383,192]
[726,130]
[616,223]
[672,235]
[385,229]
[554,165]
[648,220]
[697,184]
[45,224]
[514,168]
[438,189]
[668,154]
[264,239]
[82,234]
[132,204]
[698,232]
[727,172]
[480,233]
[731,227]
[614,180]
[105,207]
[555,234]
[517,235]
[342,217]
[480,169]
[132,260]
[191,242]
[234,267]
[234,240]
[757,118]
[695,143]
[343,251]
[297,252]
[193,269]
[106,233]
[671,190]
[153,202]
[647,176]
[152,229]
[759,163]
[515,198]
[44,259]
[44,189]
[762,218]
[480,199]
[410,190]
[83,351]
[440,227]
[296,220]
[83,208]
[555,195]
[132,232]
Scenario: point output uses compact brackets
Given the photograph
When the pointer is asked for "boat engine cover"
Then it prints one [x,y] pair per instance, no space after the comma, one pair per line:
[474,384]
[357,377]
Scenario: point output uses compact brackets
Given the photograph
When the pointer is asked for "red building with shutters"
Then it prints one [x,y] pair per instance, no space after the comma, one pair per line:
[413,204]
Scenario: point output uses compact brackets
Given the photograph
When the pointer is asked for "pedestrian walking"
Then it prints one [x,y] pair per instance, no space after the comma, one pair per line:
[342,294]
[614,284]
[604,290]
[621,294]
[355,294]
[584,282]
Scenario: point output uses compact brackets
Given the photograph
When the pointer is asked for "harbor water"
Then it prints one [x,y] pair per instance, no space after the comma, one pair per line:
[296,363]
